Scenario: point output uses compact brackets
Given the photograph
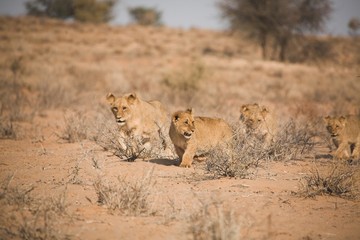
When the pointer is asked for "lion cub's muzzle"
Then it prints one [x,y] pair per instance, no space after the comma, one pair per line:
[120,121]
[188,135]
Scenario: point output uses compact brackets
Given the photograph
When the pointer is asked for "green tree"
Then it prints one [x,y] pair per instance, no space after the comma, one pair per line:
[276,21]
[145,15]
[50,8]
[95,11]
[354,26]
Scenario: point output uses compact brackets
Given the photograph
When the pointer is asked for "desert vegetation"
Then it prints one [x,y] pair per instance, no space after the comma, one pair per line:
[65,173]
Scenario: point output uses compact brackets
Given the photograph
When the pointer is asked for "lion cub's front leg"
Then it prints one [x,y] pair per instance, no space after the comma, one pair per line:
[342,151]
[188,157]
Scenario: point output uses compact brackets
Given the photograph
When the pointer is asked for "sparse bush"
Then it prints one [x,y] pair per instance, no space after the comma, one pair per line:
[245,155]
[127,197]
[82,10]
[354,26]
[187,78]
[293,141]
[93,11]
[211,221]
[75,127]
[7,129]
[51,95]
[145,15]
[249,150]
[338,180]
[19,197]
[25,217]
[108,136]
[312,49]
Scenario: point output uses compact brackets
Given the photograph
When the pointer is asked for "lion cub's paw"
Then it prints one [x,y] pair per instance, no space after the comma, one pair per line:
[185,165]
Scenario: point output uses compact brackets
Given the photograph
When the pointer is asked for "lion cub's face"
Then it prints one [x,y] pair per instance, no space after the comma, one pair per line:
[335,125]
[252,115]
[184,123]
[121,107]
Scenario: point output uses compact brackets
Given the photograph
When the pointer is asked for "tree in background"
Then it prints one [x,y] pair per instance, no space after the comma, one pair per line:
[50,8]
[145,15]
[81,10]
[354,26]
[93,10]
[276,21]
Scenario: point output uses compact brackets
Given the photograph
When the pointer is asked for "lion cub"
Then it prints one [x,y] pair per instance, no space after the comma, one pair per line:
[195,136]
[146,120]
[258,120]
[345,133]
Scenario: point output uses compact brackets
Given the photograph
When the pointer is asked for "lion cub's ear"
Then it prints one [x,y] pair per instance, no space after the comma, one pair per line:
[175,117]
[264,111]
[110,98]
[326,119]
[342,119]
[132,97]
[190,110]
[244,108]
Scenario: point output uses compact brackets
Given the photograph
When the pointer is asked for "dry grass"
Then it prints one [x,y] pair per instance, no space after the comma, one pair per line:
[108,136]
[340,179]
[26,217]
[212,221]
[76,127]
[248,151]
[129,197]
[7,130]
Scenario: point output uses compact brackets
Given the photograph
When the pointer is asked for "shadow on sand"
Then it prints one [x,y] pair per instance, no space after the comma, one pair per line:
[165,161]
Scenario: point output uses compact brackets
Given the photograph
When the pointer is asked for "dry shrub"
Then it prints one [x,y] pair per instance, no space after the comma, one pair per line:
[248,151]
[338,180]
[312,50]
[25,217]
[240,161]
[185,80]
[212,221]
[14,195]
[75,129]
[127,197]
[108,136]
[7,130]
[295,140]
[50,94]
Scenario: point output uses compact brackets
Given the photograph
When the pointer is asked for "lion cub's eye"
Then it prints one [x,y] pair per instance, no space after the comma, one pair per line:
[186,122]
[193,122]
[115,109]
[124,108]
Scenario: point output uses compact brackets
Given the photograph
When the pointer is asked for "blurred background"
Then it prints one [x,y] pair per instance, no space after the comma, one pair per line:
[199,14]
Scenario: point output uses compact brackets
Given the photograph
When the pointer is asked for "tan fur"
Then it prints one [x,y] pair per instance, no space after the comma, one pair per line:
[258,120]
[146,120]
[196,136]
[345,132]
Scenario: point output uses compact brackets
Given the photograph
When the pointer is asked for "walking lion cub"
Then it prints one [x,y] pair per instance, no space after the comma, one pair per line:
[196,136]
[345,133]
[144,120]
[258,121]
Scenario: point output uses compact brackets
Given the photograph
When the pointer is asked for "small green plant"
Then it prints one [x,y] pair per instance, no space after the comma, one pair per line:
[126,197]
